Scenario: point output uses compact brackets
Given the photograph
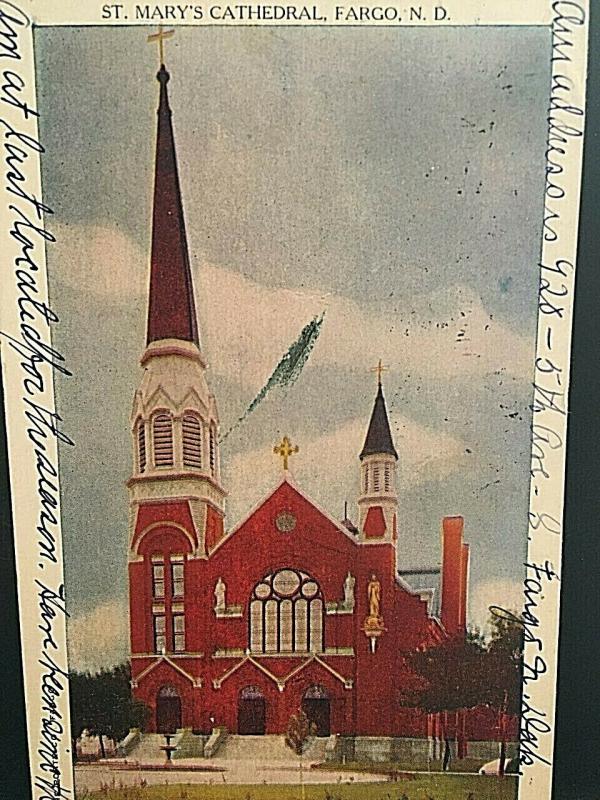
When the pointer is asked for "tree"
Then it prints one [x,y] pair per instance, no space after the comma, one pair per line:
[298,738]
[103,704]
[448,676]
[505,662]
[78,703]
[504,671]
[464,673]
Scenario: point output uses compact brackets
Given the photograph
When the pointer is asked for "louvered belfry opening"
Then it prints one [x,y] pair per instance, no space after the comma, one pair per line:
[192,441]
[163,440]
[141,435]
[213,451]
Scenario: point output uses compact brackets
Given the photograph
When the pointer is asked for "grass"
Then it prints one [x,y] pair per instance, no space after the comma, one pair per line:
[434,787]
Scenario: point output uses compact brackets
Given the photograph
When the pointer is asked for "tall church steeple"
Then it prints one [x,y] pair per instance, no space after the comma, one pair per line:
[174,419]
[171,307]
[378,502]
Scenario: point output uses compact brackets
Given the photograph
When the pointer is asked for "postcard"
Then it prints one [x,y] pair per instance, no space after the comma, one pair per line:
[285,324]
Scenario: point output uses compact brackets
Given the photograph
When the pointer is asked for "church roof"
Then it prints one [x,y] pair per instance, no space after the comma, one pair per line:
[287,482]
[379,436]
[171,308]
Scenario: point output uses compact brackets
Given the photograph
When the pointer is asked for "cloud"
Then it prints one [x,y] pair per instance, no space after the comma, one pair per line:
[426,455]
[504,593]
[100,637]
[254,325]
[247,326]
[99,260]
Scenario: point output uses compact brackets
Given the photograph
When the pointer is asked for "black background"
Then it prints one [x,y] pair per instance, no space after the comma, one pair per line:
[577,752]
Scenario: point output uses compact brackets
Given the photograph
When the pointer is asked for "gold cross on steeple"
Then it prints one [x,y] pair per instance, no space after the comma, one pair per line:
[379,369]
[285,449]
[159,37]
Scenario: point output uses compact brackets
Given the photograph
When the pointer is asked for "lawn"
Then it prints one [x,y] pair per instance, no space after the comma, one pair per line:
[428,787]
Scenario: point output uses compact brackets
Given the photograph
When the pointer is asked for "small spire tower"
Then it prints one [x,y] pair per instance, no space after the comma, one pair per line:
[378,501]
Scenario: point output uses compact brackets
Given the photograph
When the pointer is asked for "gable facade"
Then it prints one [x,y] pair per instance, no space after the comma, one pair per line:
[277,607]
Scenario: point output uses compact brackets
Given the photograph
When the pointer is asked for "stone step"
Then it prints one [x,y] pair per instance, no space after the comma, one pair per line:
[267,748]
[148,747]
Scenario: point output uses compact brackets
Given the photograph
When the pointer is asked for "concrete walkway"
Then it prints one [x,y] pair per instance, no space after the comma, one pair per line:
[93,776]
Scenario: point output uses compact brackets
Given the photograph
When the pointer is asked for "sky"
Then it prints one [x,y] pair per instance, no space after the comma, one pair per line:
[392,178]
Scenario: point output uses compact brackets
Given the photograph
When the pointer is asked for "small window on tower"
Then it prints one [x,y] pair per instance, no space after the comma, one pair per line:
[177,579]
[213,450]
[158,580]
[141,436]
[386,477]
[192,441]
[160,638]
[376,478]
[178,633]
[163,440]
[366,480]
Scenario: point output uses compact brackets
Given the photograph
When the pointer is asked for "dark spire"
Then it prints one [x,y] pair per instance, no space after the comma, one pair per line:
[379,436]
[171,308]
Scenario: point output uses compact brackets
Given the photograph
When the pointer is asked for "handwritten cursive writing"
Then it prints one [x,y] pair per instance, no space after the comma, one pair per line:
[38,359]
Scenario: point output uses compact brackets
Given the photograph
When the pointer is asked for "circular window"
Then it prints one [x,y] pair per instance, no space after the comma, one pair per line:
[285,522]
[286,582]
[310,589]
[262,590]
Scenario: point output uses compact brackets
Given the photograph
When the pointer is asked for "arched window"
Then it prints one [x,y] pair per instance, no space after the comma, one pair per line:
[141,442]
[192,441]
[286,614]
[213,450]
[162,435]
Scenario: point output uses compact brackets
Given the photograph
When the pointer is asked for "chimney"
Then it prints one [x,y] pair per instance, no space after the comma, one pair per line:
[464,586]
[454,564]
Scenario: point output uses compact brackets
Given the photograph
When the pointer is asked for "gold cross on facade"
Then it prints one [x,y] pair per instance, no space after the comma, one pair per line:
[379,369]
[285,449]
[159,37]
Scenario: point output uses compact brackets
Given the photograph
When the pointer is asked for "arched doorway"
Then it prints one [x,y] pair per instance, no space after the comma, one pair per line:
[316,706]
[251,712]
[168,710]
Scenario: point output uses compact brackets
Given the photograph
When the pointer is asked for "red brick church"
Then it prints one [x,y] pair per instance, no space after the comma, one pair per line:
[292,607]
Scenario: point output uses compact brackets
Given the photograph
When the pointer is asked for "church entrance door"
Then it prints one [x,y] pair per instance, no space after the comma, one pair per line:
[316,706]
[251,712]
[168,710]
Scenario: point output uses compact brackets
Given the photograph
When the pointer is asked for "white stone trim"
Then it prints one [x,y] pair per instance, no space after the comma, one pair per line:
[163,524]
[281,681]
[233,652]
[171,655]
[334,607]
[196,682]
[229,612]
[348,682]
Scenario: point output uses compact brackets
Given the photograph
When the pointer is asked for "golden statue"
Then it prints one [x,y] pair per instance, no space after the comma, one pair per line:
[373,625]
[374,594]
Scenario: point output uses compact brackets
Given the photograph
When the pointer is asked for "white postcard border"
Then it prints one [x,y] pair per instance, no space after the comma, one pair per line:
[27,361]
